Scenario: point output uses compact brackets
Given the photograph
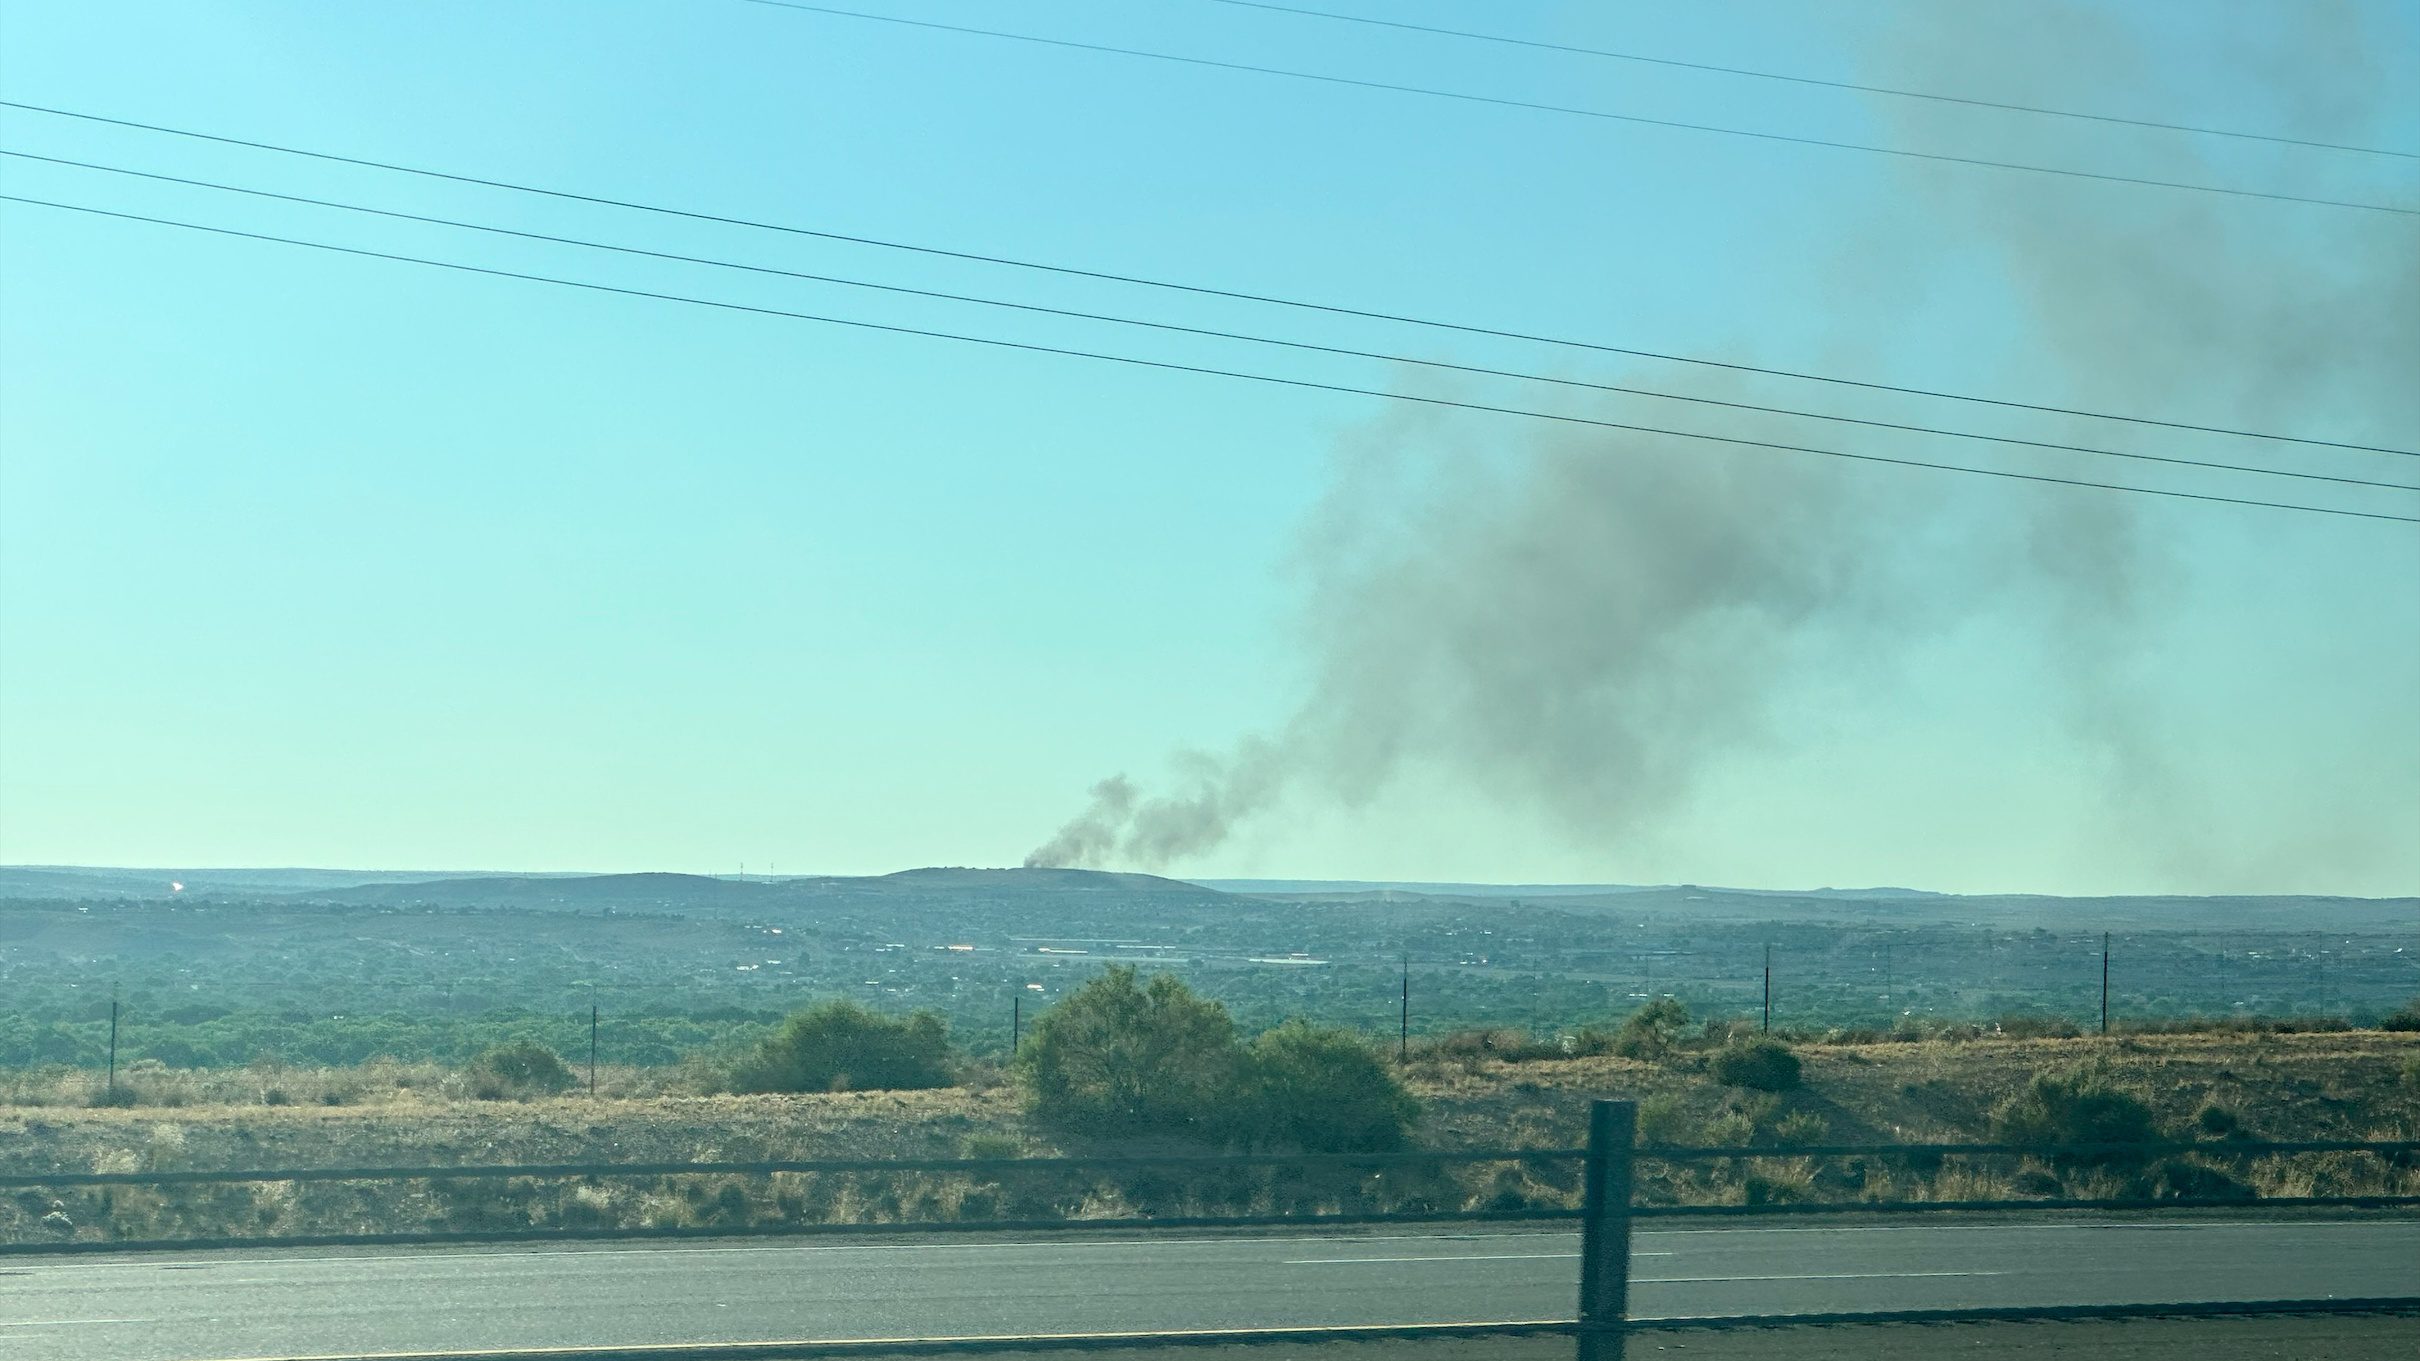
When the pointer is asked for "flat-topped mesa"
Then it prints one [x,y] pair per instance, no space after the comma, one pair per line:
[944,877]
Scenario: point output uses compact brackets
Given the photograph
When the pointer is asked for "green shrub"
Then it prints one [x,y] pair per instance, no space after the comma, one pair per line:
[1586,1042]
[843,1047]
[1119,1057]
[1759,1065]
[1324,1090]
[2405,1017]
[1801,1127]
[2080,1106]
[1715,1032]
[1662,1120]
[2216,1120]
[1772,1187]
[991,1147]
[521,1068]
[1729,1129]
[1503,1044]
[2177,1179]
[1653,1031]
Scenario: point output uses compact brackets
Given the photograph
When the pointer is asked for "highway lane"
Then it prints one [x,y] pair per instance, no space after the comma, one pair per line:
[210,1306]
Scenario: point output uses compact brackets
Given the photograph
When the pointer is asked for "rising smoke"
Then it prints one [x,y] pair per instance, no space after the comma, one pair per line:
[1581,624]
[2258,316]
[1568,623]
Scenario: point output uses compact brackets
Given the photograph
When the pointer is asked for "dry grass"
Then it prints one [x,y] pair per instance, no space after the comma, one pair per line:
[380,1082]
[2311,1086]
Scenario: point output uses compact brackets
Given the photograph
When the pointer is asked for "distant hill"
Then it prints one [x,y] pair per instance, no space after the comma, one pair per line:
[1033,880]
[708,892]
[48,883]
[654,889]
[1332,888]
[1866,906]
[1328,888]
[1052,901]
[81,881]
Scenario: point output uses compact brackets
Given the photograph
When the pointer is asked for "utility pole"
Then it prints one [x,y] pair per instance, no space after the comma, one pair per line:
[1016,1020]
[592,1048]
[2104,982]
[1403,1023]
[1768,1026]
[113,1039]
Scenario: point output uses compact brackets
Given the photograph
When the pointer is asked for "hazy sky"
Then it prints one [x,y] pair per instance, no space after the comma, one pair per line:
[308,559]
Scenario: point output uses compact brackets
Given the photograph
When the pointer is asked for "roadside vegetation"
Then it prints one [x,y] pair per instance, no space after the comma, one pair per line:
[843,1047]
[311,983]
[1122,1058]
[1132,1062]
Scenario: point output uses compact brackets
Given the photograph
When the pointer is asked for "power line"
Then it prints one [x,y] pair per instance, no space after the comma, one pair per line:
[1431,92]
[1850,85]
[1211,332]
[1201,290]
[1205,370]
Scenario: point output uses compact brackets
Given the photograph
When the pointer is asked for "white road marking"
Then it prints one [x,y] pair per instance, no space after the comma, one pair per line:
[1826,1276]
[440,1253]
[71,1322]
[1491,1257]
[1941,1227]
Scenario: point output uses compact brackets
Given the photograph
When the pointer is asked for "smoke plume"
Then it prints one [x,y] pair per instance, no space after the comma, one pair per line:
[1581,624]
[1568,623]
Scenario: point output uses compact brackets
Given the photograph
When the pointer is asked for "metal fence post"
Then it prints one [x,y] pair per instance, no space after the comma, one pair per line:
[1605,1230]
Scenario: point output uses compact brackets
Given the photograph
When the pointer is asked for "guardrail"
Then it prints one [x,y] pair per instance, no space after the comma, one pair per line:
[979,1166]
[1610,1204]
[1605,1231]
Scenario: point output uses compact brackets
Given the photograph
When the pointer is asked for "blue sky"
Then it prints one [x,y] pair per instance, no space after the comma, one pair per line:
[321,560]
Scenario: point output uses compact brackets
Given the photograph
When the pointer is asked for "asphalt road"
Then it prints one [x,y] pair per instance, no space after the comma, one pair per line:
[211,1306]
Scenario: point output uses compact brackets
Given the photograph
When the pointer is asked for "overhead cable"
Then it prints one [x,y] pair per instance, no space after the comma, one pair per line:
[1850,85]
[1205,370]
[1536,106]
[1202,290]
[1213,333]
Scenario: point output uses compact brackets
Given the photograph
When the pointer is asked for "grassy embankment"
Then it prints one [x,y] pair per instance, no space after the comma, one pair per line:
[2358,1085]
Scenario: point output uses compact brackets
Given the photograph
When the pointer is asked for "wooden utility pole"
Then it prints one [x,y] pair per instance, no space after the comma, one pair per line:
[113,1039]
[1768,1027]
[2104,982]
[1016,1020]
[1403,1022]
[592,1049]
